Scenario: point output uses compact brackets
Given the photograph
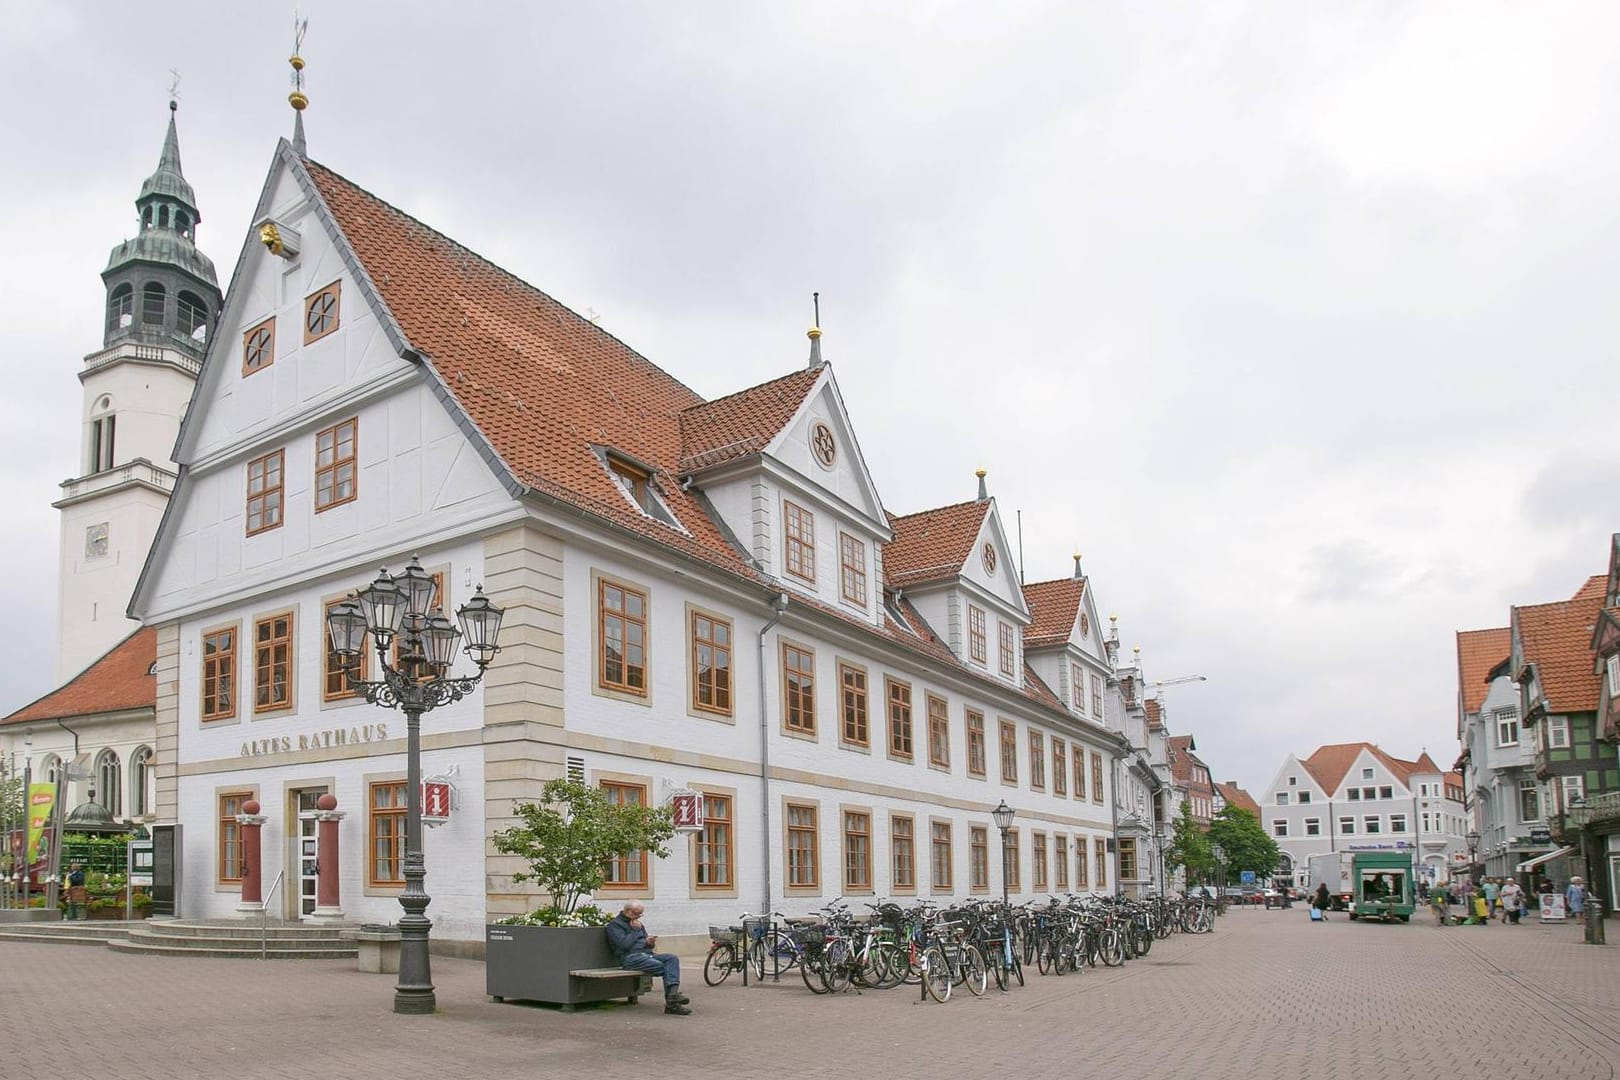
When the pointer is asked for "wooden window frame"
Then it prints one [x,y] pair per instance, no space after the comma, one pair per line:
[1009,861]
[939,732]
[333,673]
[269,495]
[702,842]
[603,613]
[789,830]
[290,642]
[948,885]
[978,858]
[1077,688]
[718,673]
[1039,879]
[1096,778]
[1082,864]
[266,351]
[1037,760]
[1060,863]
[332,471]
[900,731]
[978,638]
[852,570]
[1060,767]
[396,814]
[639,859]
[1127,859]
[335,289]
[1096,697]
[799,541]
[227,805]
[1007,743]
[1100,864]
[975,737]
[232,658]
[1078,757]
[1008,652]
[798,701]
[854,706]
[898,843]
[857,855]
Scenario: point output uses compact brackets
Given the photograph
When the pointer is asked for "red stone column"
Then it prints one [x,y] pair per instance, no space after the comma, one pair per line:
[327,816]
[251,821]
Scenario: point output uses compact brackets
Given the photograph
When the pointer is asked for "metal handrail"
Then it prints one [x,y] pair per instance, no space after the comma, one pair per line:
[264,916]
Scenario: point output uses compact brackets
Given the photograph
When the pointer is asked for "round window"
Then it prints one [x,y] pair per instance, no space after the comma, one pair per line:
[1085,625]
[822,445]
[989,558]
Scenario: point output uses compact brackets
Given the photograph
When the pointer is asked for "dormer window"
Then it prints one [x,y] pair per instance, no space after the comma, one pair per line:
[976,635]
[852,569]
[321,312]
[1008,658]
[801,541]
[636,482]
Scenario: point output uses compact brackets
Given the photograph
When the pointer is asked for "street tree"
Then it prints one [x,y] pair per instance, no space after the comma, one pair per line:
[1243,843]
[1189,848]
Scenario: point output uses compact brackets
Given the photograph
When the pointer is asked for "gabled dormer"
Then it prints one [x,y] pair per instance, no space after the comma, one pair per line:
[780,466]
[957,569]
[1064,642]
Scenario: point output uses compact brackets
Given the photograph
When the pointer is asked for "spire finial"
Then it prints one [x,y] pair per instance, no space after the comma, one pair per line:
[984,492]
[298,99]
[1077,574]
[814,334]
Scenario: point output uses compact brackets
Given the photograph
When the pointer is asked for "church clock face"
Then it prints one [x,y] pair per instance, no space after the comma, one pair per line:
[95,541]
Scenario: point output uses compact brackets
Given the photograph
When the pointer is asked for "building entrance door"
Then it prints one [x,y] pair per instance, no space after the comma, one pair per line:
[306,868]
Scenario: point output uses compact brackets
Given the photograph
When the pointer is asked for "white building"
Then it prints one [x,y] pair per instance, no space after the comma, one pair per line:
[1355,797]
[704,595]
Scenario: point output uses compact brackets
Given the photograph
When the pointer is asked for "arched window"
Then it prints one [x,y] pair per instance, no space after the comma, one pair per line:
[146,218]
[182,223]
[143,783]
[120,307]
[163,217]
[103,430]
[48,769]
[110,782]
[152,302]
[191,315]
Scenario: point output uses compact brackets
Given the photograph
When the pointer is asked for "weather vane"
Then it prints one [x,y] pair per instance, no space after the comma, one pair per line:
[174,86]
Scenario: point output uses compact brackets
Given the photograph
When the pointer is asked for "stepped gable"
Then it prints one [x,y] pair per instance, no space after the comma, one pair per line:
[1557,639]
[742,423]
[1479,652]
[121,679]
[932,545]
[1236,796]
[1053,608]
[541,383]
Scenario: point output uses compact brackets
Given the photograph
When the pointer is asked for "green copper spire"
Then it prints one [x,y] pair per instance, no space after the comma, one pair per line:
[168,182]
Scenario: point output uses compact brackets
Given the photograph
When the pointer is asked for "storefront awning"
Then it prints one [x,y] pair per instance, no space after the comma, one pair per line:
[1531,864]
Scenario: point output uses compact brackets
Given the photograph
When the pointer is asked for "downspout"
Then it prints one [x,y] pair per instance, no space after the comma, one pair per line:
[778,606]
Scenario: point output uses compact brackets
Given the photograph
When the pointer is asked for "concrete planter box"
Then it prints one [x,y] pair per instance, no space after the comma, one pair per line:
[377,949]
[531,963]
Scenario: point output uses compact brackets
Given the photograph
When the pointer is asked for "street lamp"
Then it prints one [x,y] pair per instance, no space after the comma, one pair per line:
[416,681]
[1581,815]
[1473,845]
[1003,817]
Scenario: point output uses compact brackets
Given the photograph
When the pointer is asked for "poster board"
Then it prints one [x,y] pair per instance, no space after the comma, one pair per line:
[1552,907]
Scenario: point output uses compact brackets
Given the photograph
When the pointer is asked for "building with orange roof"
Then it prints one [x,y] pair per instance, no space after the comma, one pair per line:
[704,597]
[1357,797]
[1228,793]
[1506,800]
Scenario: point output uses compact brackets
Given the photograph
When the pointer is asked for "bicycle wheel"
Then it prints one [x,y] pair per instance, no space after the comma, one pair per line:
[810,970]
[835,966]
[936,974]
[888,965]
[722,958]
[1144,941]
[1111,948]
[1018,969]
[777,947]
[1043,955]
[998,967]
[973,970]
[1026,944]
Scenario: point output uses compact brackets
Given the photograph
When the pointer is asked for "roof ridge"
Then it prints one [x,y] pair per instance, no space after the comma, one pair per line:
[937,509]
[499,269]
[748,390]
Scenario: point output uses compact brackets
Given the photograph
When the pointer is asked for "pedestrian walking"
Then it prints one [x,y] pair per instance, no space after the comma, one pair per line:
[1438,905]
[77,896]
[1320,903]
[1512,898]
[1575,899]
[1490,898]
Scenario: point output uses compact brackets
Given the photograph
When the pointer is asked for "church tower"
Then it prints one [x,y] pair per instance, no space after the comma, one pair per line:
[162,300]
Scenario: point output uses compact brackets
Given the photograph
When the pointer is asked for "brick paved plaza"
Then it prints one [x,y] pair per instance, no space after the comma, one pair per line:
[1267,995]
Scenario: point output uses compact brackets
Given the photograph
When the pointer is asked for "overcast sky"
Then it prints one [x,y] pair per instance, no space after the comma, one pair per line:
[1293,318]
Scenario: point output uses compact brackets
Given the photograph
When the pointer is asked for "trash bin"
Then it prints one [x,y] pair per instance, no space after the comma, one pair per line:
[378,948]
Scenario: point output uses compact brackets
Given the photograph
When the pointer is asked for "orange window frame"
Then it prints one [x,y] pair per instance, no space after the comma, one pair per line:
[229,866]
[1060,767]
[265,479]
[857,851]
[939,732]
[977,646]
[322,310]
[976,762]
[1009,752]
[386,810]
[337,469]
[711,664]
[851,569]
[715,853]
[978,858]
[798,689]
[273,660]
[855,729]
[259,347]
[621,615]
[803,849]
[219,664]
[617,874]
[800,547]
[898,696]
[903,852]
[940,856]
[1037,760]
[1008,655]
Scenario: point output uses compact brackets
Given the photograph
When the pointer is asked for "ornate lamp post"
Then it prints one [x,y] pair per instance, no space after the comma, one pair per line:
[1581,815]
[415,681]
[1003,817]
[1473,847]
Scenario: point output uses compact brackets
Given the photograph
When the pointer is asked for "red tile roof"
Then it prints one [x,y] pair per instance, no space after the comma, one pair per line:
[1181,757]
[1557,639]
[1478,654]
[1236,796]
[932,545]
[542,384]
[120,680]
[1053,608]
[742,423]
[1329,763]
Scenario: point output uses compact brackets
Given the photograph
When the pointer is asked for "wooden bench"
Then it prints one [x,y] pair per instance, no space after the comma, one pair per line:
[638,983]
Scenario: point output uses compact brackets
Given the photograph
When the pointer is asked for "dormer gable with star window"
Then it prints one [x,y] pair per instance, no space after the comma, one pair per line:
[1065,644]
[780,467]
[956,568]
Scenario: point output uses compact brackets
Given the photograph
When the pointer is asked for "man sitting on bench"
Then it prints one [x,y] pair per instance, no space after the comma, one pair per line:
[634,949]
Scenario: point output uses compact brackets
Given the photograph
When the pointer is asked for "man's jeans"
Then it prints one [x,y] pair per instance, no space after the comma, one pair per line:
[667,965]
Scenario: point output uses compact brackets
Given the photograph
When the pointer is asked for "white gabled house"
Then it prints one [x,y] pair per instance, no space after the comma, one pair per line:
[700,595]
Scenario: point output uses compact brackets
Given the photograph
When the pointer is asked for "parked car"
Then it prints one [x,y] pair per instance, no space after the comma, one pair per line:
[1235,894]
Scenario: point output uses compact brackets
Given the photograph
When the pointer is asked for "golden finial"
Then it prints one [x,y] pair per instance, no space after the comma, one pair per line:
[980,473]
[297,99]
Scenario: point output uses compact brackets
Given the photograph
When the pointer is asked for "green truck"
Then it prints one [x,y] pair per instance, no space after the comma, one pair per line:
[1382,886]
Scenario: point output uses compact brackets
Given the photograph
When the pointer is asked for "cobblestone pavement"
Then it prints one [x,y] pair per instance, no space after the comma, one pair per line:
[1268,995]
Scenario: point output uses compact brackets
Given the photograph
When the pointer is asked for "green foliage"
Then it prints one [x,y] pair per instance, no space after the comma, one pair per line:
[552,915]
[1189,849]
[568,836]
[11,799]
[1242,843]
